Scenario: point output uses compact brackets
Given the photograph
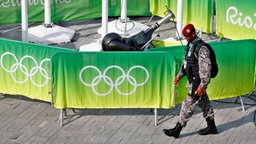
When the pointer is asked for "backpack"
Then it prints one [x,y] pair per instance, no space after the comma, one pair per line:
[215,67]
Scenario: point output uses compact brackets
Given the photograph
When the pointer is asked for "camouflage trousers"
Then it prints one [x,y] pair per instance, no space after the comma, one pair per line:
[189,105]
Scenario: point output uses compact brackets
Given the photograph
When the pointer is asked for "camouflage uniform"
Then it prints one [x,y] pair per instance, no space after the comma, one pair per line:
[191,100]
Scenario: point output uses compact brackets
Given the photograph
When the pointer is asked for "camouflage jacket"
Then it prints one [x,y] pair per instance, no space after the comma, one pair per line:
[204,63]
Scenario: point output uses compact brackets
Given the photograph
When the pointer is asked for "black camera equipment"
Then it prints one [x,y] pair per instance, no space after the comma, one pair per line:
[139,42]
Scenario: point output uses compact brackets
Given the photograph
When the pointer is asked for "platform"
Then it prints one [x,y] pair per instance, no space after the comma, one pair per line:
[50,35]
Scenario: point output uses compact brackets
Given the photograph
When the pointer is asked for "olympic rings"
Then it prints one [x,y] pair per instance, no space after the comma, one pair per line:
[111,83]
[28,74]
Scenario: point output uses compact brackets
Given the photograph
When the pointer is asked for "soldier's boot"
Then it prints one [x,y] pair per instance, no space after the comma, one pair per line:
[210,129]
[175,132]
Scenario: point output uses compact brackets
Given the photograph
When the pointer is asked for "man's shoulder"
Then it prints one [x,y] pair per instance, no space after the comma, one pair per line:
[201,46]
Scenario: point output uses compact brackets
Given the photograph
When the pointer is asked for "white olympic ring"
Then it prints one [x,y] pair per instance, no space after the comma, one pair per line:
[24,70]
[96,80]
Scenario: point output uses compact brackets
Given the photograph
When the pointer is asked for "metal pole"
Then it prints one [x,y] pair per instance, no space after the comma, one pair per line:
[156,114]
[123,18]
[61,117]
[179,18]
[104,18]
[123,9]
[47,13]
[24,20]
[242,103]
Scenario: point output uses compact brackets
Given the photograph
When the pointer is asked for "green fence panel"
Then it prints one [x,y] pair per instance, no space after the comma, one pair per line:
[113,80]
[236,77]
[25,69]
[198,12]
[237,69]
[236,19]
[158,7]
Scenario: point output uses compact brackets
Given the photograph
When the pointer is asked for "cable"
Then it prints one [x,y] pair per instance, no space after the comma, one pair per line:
[254,118]
[150,20]
[126,23]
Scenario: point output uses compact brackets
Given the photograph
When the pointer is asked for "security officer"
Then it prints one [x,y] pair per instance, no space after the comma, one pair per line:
[196,65]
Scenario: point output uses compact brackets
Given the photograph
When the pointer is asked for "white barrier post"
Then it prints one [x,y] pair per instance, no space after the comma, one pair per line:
[123,9]
[179,18]
[104,18]
[124,18]
[24,20]
[47,13]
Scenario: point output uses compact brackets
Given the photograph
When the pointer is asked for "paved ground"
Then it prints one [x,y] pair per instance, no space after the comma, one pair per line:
[26,121]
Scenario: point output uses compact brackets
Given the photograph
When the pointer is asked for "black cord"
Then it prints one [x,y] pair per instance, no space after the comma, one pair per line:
[254,118]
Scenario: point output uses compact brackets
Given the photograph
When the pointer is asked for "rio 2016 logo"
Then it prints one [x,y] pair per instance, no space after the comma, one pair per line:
[235,17]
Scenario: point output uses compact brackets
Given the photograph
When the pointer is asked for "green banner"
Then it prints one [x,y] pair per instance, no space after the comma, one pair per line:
[11,11]
[67,10]
[158,7]
[236,19]
[113,80]
[236,77]
[198,12]
[25,69]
